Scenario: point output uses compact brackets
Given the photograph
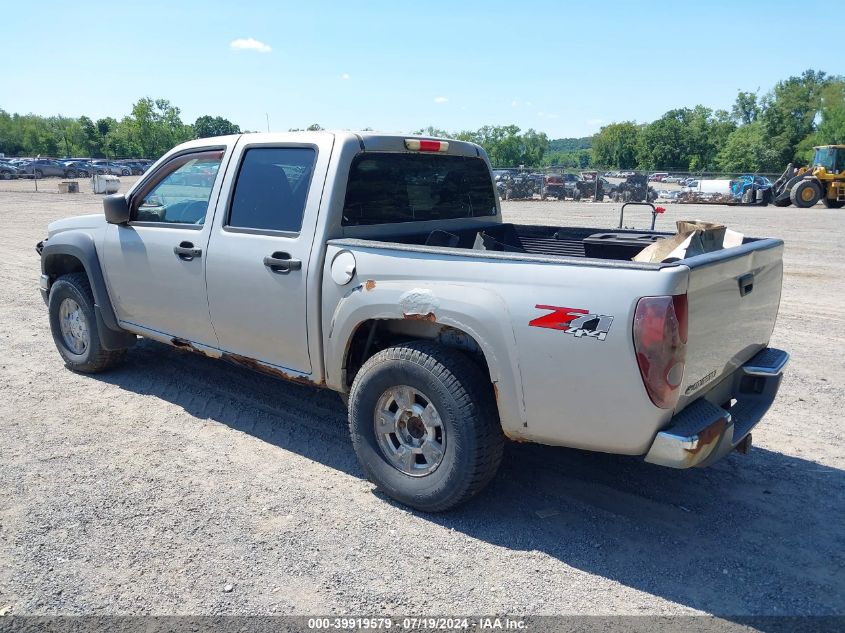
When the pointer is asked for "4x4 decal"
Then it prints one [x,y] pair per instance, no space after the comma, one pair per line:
[574,321]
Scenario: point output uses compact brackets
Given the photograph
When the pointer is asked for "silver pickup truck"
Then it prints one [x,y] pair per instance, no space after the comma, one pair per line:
[379,266]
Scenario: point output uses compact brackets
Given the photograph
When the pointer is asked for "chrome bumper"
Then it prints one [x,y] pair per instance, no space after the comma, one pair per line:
[703,432]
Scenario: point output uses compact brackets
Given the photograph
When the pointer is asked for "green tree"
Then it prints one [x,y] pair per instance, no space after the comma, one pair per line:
[746,150]
[615,145]
[789,113]
[156,127]
[745,109]
[207,126]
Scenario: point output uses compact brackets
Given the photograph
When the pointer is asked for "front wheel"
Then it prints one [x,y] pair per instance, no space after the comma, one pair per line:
[74,326]
[833,204]
[805,194]
[424,425]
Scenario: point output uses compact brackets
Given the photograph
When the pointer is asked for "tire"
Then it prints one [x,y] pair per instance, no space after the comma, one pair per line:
[470,434]
[833,204]
[125,172]
[782,203]
[70,173]
[78,342]
[38,174]
[805,194]
[6,175]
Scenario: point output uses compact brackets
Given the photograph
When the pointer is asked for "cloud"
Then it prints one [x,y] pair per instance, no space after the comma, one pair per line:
[249,44]
[345,76]
[440,99]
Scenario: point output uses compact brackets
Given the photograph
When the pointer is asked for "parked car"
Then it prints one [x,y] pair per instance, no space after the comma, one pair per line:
[112,168]
[658,176]
[380,267]
[43,167]
[561,186]
[8,171]
[672,179]
[135,167]
[78,169]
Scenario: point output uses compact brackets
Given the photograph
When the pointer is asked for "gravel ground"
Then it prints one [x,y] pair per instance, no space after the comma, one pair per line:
[151,488]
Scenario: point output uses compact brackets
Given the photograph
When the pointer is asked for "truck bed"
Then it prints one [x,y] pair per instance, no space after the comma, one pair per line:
[595,243]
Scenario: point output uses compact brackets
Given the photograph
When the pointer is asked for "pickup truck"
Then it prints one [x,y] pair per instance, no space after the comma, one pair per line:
[379,266]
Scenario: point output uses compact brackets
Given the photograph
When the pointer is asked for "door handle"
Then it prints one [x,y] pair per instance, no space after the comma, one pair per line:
[186,251]
[282,263]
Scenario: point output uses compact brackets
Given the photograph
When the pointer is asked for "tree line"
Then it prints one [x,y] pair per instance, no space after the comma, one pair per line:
[153,127]
[761,133]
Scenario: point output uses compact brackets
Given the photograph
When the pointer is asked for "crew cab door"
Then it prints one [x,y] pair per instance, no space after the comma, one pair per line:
[257,269]
[154,264]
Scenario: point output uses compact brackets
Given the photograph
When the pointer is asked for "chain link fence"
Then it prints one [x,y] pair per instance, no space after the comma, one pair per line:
[38,169]
[564,184]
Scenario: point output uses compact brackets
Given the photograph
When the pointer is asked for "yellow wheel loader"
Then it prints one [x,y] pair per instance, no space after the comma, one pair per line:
[823,180]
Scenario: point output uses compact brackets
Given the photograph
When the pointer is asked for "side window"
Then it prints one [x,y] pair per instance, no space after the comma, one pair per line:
[181,196]
[271,188]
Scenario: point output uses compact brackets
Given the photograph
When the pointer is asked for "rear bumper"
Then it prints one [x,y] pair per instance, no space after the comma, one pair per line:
[703,432]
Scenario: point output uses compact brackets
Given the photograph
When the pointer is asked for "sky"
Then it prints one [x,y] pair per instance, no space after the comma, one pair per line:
[564,68]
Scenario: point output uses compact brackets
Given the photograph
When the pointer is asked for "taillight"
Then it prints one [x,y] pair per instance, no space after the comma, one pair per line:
[660,340]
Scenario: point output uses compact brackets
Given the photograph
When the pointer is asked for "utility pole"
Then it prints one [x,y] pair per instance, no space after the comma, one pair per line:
[267,116]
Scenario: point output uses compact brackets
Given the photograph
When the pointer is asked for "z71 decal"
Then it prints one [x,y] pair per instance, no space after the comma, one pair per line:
[574,321]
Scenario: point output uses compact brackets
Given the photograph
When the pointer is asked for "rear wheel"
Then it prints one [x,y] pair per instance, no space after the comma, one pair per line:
[833,204]
[805,194]
[38,174]
[424,425]
[74,326]
[782,203]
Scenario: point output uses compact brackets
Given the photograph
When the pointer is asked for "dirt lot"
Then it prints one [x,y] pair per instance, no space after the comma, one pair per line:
[151,488]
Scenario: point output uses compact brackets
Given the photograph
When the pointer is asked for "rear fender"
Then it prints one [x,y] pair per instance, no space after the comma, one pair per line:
[479,313]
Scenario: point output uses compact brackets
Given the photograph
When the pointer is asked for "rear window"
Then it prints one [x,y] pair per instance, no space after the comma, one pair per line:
[271,189]
[388,188]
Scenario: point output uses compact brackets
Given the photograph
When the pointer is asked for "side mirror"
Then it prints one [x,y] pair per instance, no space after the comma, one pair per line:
[116,209]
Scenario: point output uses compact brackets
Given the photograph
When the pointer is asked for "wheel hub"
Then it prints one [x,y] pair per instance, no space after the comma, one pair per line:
[73,326]
[409,431]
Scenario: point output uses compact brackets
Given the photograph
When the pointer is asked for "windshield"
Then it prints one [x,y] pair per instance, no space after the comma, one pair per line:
[388,187]
[825,157]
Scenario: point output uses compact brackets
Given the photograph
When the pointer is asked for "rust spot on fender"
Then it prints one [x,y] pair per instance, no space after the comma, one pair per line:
[369,284]
[251,363]
[420,317]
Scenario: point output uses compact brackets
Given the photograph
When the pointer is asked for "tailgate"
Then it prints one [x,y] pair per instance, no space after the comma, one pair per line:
[733,299]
